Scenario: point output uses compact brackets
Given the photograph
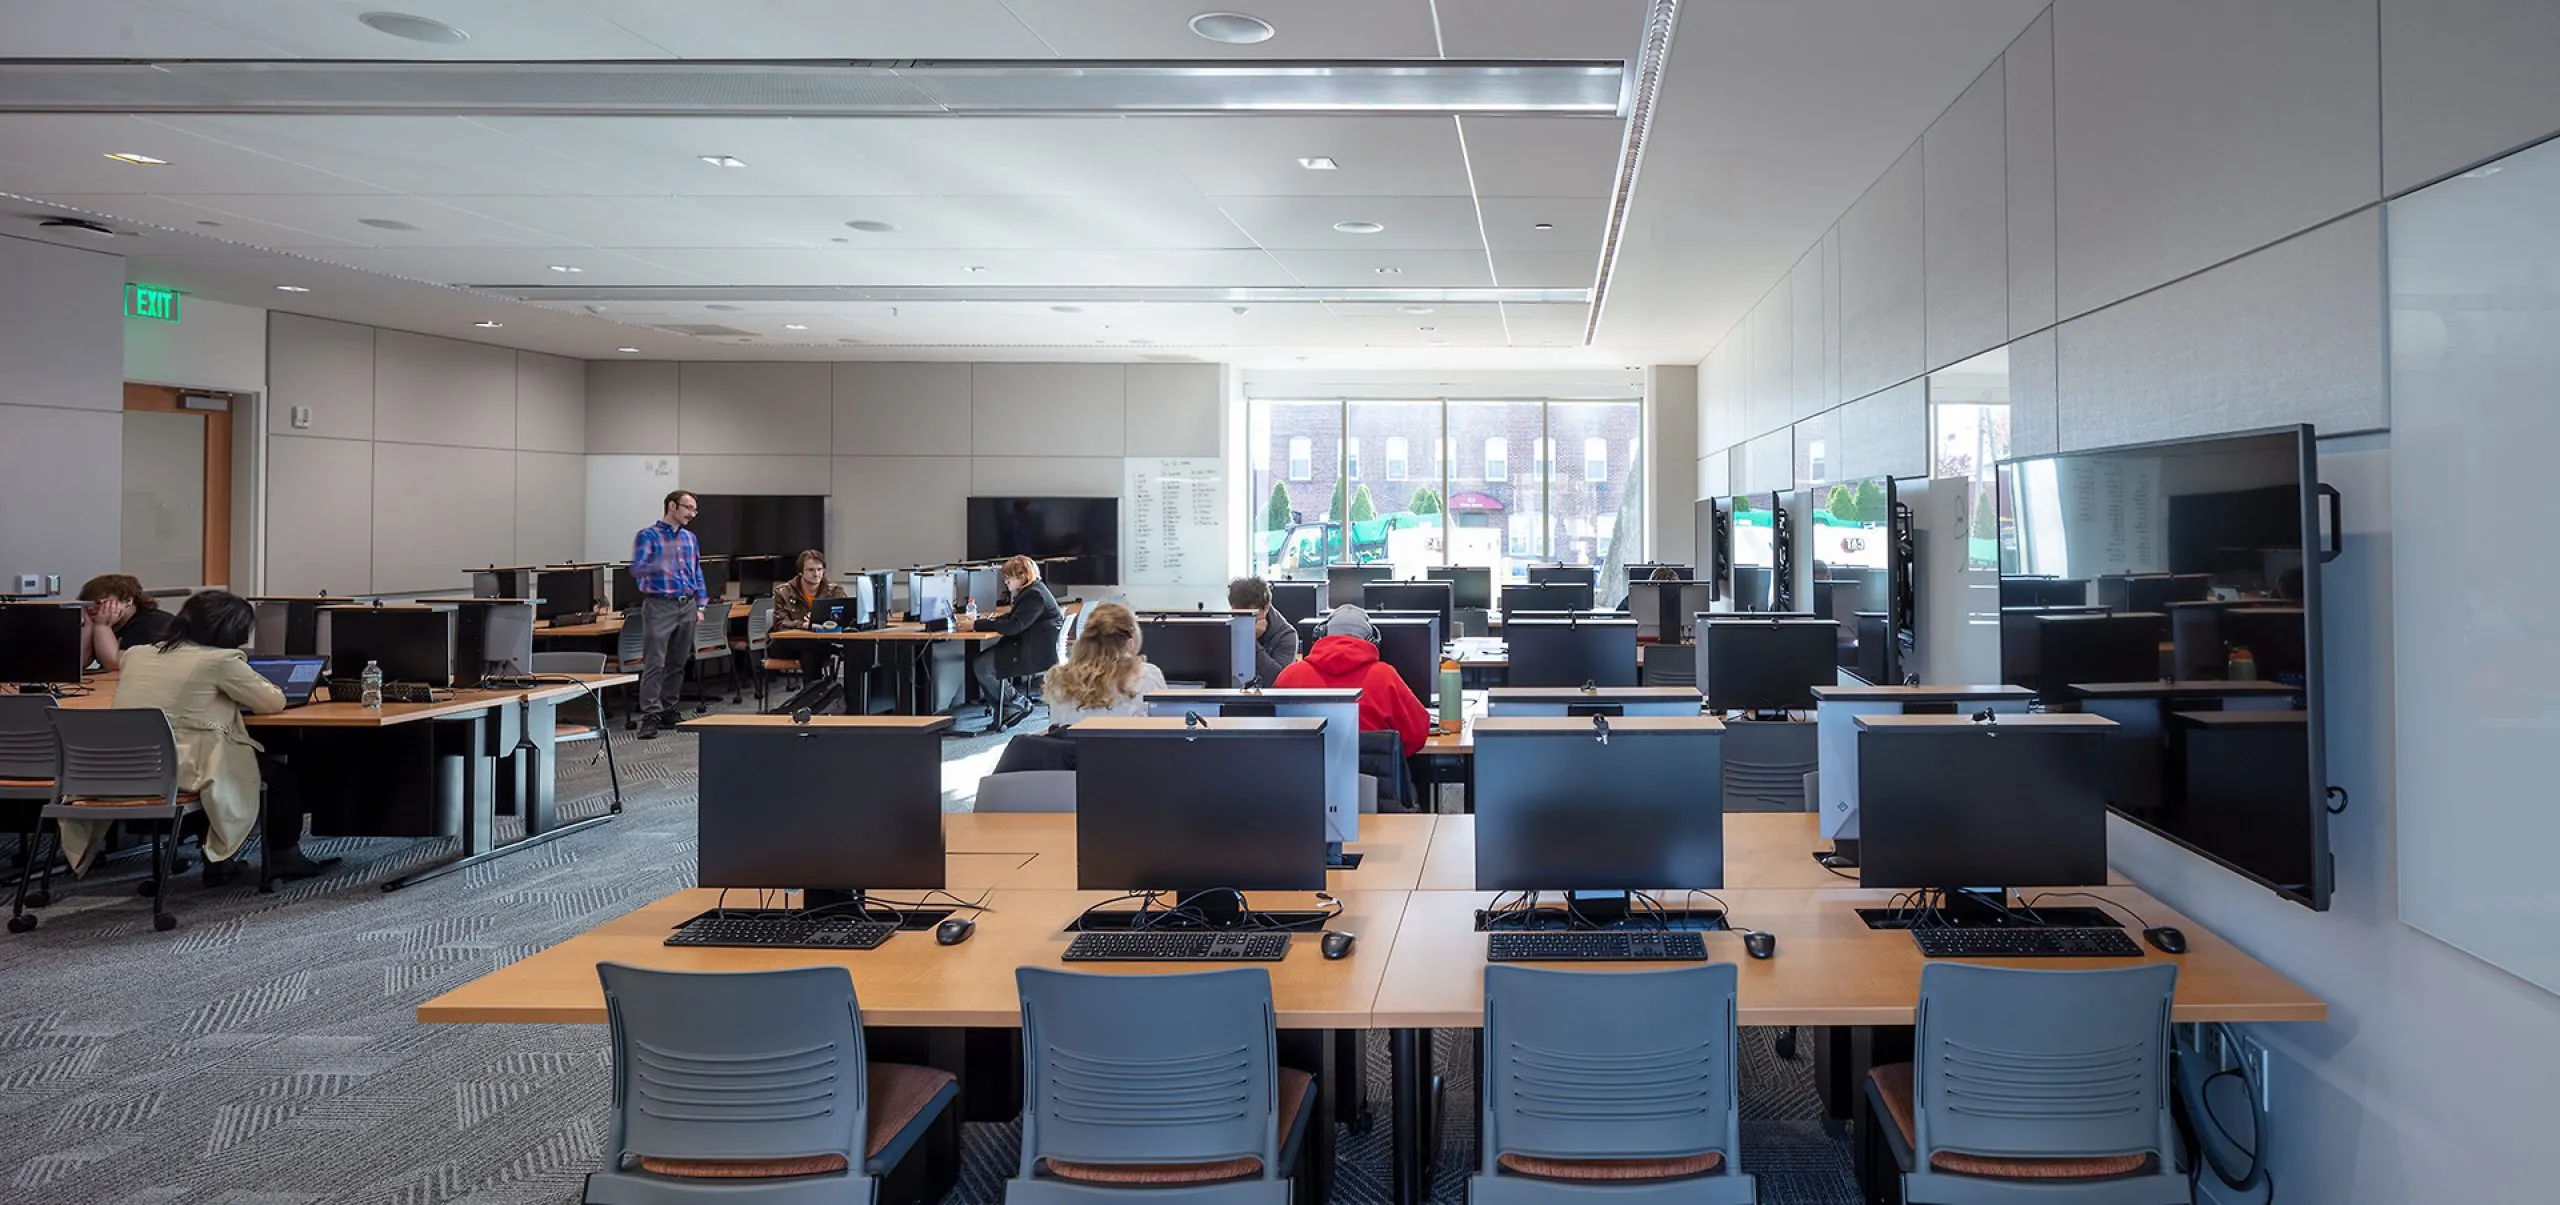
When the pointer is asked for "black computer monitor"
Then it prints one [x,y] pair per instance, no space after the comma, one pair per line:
[758,575]
[1665,610]
[564,593]
[1518,599]
[1297,600]
[1770,665]
[496,582]
[1564,575]
[2273,636]
[1570,652]
[1559,808]
[1343,582]
[931,595]
[40,644]
[2098,646]
[715,578]
[1434,597]
[626,588]
[288,627]
[1470,586]
[492,638]
[2044,592]
[881,828]
[1199,649]
[2152,591]
[982,585]
[1167,805]
[1410,642]
[412,644]
[1945,803]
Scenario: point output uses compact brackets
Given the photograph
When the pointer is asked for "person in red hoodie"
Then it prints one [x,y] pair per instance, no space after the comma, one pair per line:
[1348,656]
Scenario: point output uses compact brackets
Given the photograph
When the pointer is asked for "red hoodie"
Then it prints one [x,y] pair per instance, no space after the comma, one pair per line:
[1386,703]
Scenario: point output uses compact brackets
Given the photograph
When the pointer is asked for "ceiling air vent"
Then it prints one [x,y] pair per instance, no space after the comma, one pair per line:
[707,330]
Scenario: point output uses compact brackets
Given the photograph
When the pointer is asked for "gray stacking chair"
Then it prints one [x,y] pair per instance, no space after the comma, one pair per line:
[26,775]
[2032,1087]
[1027,791]
[116,764]
[631,656]
[752,1087]
[751,651]
[1642,1108]
[1162,1089]
[1765,762]
[1669,664]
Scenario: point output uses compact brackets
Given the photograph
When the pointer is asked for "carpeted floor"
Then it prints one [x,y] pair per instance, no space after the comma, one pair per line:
[264,1052]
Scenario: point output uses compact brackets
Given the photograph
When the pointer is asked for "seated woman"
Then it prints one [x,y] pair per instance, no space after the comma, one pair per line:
[1030,637]
[793,601]
[1105,673]
[117,615]
[201,678]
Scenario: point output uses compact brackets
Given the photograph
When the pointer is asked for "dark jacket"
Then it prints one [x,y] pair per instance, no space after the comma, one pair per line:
[1275,649]
[1030,632]
[1386,703]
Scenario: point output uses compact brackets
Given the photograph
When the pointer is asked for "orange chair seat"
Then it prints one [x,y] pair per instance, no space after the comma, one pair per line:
[1893,1083]
[1612,1169]
[148,801]
[1294,1085]
[27,784]
[899,1093]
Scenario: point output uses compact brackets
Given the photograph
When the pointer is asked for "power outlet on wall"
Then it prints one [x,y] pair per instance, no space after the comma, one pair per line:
[29,583]
[2242,1052]
[300,417]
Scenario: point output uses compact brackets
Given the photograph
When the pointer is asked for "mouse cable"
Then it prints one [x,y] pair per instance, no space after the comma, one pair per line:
[2137,917]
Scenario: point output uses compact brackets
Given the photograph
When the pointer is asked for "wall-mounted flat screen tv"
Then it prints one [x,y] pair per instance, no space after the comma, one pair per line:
[1087,529]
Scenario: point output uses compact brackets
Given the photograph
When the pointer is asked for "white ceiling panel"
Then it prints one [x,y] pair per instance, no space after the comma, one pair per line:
[1004,267]
[847,29]
[819,222]
[998,156]
[1546,269]
[632,222]
[77,146]
[411,154]
[118,29]
[498,29]
[1258,155]
[177,214]
[1415,269]
[1511,223]
[1306,223]
[663,155]
[1542,29]
[1302,29]
[511,266]
[340,218]
[1174,220]
[1544,156]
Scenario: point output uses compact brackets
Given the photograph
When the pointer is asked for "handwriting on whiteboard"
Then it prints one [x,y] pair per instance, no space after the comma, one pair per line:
[1177,520]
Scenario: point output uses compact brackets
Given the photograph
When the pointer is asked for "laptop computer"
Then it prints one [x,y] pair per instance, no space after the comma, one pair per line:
[297,677]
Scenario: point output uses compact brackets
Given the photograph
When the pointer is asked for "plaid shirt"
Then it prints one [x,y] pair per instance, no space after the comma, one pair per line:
[665,559]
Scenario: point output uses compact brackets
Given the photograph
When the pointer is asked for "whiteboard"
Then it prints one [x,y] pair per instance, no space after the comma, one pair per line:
[624,494]
[1174,530]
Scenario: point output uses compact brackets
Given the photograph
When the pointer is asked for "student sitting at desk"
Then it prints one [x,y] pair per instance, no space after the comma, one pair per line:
[1105,674]
[1030,630]
[202,679]
[117,615]
[794,599]
[1275,640]
[1348,656]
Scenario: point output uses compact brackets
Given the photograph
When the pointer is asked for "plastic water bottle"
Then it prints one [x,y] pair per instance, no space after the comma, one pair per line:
[970,616]
[372,683]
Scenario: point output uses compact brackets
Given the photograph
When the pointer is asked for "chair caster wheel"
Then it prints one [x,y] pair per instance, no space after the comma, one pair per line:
[146,889]
[1787,1046]
[21,923]
[164,922]
[38,899]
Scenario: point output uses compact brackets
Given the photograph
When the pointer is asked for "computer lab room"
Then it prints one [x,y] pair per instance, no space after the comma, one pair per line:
[1329,602]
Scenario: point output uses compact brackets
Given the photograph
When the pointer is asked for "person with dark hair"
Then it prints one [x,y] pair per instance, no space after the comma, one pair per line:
[1275,640]
[793,600]
[116,615]
[666,563]
[198,675]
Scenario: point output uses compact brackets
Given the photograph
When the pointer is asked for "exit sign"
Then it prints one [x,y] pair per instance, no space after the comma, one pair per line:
[151,301]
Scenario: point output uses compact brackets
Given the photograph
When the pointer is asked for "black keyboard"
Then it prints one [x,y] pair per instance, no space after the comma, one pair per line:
[2091,942]
[783,932]
[1178,947]
[1608,945]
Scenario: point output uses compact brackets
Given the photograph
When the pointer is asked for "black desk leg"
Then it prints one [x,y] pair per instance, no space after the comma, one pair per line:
[466,763]
[1408,1171]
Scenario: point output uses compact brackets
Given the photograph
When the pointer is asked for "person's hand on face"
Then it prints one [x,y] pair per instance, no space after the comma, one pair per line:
[1261,622]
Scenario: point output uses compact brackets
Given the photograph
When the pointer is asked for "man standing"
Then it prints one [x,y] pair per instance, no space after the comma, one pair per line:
[666,563]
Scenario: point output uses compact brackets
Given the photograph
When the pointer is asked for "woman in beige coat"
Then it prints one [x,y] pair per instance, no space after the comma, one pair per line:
[202,679]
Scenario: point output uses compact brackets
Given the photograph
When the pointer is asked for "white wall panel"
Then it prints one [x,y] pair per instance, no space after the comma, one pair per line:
[900,409]
[1173,409]
[1831,391]
[1882,301]
[1059,476]
[2463,81]
[443,391]
[631,407]
[2029,66]
[1715,479]
[2034,396]
[61,327]
[551,403]
[624,494]
[1965,230]
[438,511]
[1887,434]
[551,507]
[325,365]
[1818,448]
[1808,373]
[1721,419]
[1773,360]
[216,346]
[319,522]
[1768,462]
[898,510]
[2190,131]
[1048,409]
[759,474]
[2290,334]
[1670,454]
[59,480]
[748,408]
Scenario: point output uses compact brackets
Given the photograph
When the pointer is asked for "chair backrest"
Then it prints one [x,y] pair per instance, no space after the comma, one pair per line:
[1610,1065]
[2036,1064]
[759,621]
[115,753]
[26,736]
[738,1065]
[1382,758]
[1070,623]
[1179,1068]
[633,648]
[1765,762]
[711,632]
[1027,791]
[569,662]
[1671,665]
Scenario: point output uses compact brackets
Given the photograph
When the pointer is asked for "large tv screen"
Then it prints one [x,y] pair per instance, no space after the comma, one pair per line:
[760,524]
[2199,563]
[1087,529]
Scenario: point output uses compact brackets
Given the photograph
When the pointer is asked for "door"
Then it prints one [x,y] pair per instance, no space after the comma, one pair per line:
[176,515]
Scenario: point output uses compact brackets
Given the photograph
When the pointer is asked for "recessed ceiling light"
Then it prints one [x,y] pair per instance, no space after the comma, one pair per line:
[723,307]
[1239,309]
[839,239]
[867,226]
[136,160]
[628,351]
[1138,341]
[722,160]
[489,326]
[1319,163]
[76,226]
[207,222]
[1066,309]
[291,289]
[1544,226]
[1427,328]
[794,326]
[1390,271]
[416,29]
[385,223]
[566,268]
[1413,309]
[1234,29]
[977,267]
[1358,227]
[2477,173]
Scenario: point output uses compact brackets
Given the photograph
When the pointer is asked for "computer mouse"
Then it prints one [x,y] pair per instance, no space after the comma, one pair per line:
[2166,939]
[1337,943]
[1761,943]
[954,931]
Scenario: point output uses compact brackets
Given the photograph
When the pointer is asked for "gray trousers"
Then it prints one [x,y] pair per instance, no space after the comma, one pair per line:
[666,628]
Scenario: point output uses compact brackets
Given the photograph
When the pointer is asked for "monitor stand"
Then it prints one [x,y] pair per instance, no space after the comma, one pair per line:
[1336,859]
[1208,908]
[1984,908]
[850,899]
[1588,910]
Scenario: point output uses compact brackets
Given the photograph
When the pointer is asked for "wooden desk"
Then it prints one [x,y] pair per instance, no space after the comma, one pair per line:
[1391,850]
[1764,851]
[609,623]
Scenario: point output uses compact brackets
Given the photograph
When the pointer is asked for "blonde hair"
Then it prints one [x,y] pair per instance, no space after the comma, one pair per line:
[1102,668]
[1020,568]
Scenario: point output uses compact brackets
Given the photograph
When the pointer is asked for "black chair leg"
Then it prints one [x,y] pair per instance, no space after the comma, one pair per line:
[19,921]
[161,839]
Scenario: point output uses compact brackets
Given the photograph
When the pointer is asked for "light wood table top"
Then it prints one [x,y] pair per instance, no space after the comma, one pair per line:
[879,723]
[1391,849]
[608,623]
[1762,851]
[1830,969]
[911,981]
[357,715]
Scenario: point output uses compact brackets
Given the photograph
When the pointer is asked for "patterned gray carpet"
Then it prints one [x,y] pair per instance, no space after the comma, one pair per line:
[264,1052]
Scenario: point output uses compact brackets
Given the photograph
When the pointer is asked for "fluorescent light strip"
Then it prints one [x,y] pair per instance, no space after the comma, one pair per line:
[1043,294]
[1647,83]
[1475,201]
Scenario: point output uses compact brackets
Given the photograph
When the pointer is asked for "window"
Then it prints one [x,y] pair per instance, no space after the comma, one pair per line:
[1398,457]
[1302,458]
[1497,459]
[1351,459]
[1595,459]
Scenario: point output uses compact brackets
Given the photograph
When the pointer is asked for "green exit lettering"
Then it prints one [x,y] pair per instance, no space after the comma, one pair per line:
[152,302]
